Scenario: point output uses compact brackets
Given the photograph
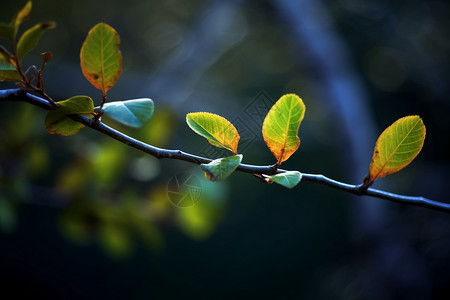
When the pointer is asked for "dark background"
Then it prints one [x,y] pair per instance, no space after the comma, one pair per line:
[87,217]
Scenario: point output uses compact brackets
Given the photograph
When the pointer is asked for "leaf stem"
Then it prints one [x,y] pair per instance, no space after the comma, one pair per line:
[103,101]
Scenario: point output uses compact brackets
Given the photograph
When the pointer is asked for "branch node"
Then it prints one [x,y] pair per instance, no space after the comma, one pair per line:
[273,169]
[362,189]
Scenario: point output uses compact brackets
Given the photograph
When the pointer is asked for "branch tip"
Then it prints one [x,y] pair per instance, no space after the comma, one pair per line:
[258,171]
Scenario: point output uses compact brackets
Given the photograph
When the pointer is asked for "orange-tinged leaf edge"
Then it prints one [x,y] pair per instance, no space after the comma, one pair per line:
[200,130]
[284,155]
[373,175]
[280,153]
[93,77]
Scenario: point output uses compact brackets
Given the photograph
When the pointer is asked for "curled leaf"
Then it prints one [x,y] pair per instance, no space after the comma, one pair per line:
[397,146]
[101,60]
[134,113]
[57,120]
[220,169]
[281,125]
[30,38]
[216,129]
[287,179]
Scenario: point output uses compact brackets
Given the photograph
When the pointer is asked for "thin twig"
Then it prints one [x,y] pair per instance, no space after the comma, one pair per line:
[360,190]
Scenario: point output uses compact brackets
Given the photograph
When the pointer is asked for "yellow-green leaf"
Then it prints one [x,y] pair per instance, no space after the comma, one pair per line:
[101,61]
[30,38]
[22,15]
[8,72]
[280,127]
[397,146]
[287,179]
[57,120]
[216,129]
[220,169]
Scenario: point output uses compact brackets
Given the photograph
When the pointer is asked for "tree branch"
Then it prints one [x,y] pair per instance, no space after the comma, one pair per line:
[19,95]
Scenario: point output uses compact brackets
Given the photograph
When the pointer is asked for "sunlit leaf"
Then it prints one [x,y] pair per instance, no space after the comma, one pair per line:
[7,31]
[30,38]
[22,15]
[216,129]
[101,61]
[57,120]
[287,179]
[397,146]
[280,127]
[134,113]
[220,169]
[8,72]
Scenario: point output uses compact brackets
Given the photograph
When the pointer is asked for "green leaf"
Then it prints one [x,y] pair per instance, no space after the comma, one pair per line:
[5,56]
[30,38]
[57,120]
[101,61]
[280,127]
[216,129]
[287,179]
[220,169]
[22,15]
[397,146]
[7,31]
[8,72]
[134,113]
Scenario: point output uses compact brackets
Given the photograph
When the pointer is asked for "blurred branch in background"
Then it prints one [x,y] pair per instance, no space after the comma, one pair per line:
[338,85]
